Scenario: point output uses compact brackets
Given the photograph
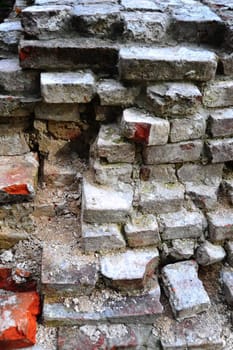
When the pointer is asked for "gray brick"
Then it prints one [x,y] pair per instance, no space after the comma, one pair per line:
[16,106]
[71,273]
[182,224]
[207,174]
[204,196]
[189,128]
[102,204]
[218,94]
[227,186]
[220,150]
[227,280]
[182,249]
[220,224]
[112,173]
[174,98]
[155,197]
[221,122]
[142,230]
[176,63]
[13,144]
[208,253]
[112,146]
[173,153]
[113,93]
[144,5]
[148,27]
[10,33]
[186,293]
[229,250]
[159,173]
[68,87]
[57,111]
[103,237]
[134,268]
[142,127]
[46,21]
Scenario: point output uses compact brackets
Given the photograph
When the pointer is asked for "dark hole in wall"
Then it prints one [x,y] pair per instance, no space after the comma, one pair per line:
[6,7]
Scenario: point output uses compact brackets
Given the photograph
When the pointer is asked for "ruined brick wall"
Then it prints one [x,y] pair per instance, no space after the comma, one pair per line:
[144,91]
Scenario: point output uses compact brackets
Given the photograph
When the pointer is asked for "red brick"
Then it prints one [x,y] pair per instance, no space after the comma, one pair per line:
[18,313]
[7,282]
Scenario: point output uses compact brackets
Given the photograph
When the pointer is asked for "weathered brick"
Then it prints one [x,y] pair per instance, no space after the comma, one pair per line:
[220,224]
[8,281]
[144,5]
[227,186]
[182,224]
[227,63]
[174,98]
[8,237]
[46,21]
[16,106]
[64,130]
[189,128]
[148,27]
[15,308]
[142,230]
[159,173]
[142,127]
[186,293]
[204,196]
[68,87]
[69,54]
[97,238]
[57,175]
[156,197]
[101,20]
[220,150]
[13,144]
[113,93]
[134,268]
[195,22]
[182,249]
[218,94]
[229,249]
[227,280]
[112,146]
[176,63]
[71,273]
[10,33]
[143,308]
[112,173]
[208,253]
[208,174]
[66,112]
[18,178]
[221,122]
[102,204]
[173,153]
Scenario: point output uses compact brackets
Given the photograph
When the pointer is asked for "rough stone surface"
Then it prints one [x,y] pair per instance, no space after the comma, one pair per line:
[189,128]
[204,196]
[221,122]
[143,308]
[8,238]
[112,146]
[68,54]
[113,93]
[218,94]
[208,174]
[220,150]
[47,21]
[16,106]
[97,238]
[13,145]
[15,308]
[173,153]
[10,33]
[142,127]
[18,178]
[134,268]
[57,112]
[112,173]
[155,197]
[174,98]
[68,87]
[102,204]
[208,253]
[176,63]
[142,230]
[186,293]
[148,27]
[220,224]
[227,280]
[182,224]
[182,249]
[70,273]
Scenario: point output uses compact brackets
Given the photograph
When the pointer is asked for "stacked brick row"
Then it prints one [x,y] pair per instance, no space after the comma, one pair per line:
[148,87]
